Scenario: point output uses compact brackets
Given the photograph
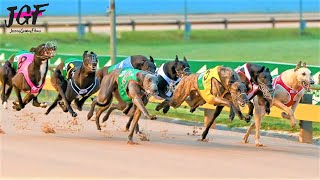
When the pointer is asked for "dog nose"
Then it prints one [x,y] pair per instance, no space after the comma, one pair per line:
[312,81]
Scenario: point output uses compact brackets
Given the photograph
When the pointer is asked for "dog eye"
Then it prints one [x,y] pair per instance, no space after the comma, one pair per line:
[303,73]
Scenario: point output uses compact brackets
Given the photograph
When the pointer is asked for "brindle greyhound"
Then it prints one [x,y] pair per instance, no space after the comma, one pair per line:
[211,87]
[26,71]
[289,87]
[75,80]
[258,82]
[126,85]
[135,61]
[169,75]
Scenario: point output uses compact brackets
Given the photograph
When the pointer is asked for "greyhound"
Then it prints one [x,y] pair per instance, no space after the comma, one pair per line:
[289,87]
[211,87]
[127,86]
[26,71]
[169,75]
[135,61]
[258,82]
[75,80]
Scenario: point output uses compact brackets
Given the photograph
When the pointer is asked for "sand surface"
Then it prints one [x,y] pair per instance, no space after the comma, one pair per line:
[78,150]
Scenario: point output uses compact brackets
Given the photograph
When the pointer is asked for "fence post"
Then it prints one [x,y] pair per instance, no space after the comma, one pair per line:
[89,24]
[133,24]
[273,21]
[305,135]
[208,115]
[45,27]
[225,21]
[179,24]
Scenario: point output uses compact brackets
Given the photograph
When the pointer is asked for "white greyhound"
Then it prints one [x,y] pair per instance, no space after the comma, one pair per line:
[289,87]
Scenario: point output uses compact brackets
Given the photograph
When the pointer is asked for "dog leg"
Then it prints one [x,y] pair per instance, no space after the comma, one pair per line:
[251,108]
[3,91]
[136,118]
[288,111]
[160,105]
[8,93]
[54,104]
[181,92]
[111,108]
[18,106]
[138,102]
[80,103]
[259,112]
[98,114]
[205,132]
[246,136]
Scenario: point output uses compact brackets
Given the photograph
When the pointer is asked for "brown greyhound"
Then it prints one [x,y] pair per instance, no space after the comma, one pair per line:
[211,87]
[26,71]
[127,86]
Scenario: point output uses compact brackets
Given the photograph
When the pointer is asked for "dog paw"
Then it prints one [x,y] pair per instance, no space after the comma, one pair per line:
[247,118]
[203,140]
[245,140]
[153,117]
[74,114]
[43,105]
[130,142]
[5,105]
[285,115]
[268,110]
[260,145]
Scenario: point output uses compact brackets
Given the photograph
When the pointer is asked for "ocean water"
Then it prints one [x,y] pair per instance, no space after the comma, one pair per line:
[127,7]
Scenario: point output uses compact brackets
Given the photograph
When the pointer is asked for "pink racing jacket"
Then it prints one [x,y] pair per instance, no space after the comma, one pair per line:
[24,60]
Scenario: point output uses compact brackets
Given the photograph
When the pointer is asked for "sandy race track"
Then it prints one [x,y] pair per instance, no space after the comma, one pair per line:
[79,151]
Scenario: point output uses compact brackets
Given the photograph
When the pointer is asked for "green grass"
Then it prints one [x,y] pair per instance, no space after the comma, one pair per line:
[281,45]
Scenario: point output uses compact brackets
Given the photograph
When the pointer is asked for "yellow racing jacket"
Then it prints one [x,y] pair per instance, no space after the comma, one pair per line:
[204,84]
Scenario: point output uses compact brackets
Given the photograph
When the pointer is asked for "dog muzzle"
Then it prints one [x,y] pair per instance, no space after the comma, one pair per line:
[240,100]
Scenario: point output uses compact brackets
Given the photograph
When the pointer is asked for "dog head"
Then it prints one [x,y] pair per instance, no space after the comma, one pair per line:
[264,80]
[149,66]
[148,82]
[304,76]
[182,67]
[238,93]
[45,51]
[90,61]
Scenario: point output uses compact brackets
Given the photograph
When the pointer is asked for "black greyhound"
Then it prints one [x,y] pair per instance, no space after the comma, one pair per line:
[26,71]
[75,80]
[258,81]
[169,75]
[136,61]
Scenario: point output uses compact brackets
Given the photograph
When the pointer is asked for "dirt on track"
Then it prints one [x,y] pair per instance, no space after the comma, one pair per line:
[75,149]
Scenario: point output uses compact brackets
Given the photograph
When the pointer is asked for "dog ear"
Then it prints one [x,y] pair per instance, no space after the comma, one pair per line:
[141,76]
[151,59]
[177,59]
[298,66]
[261,70]
[184,58]
[84,53]
[304,65]
[33,49]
